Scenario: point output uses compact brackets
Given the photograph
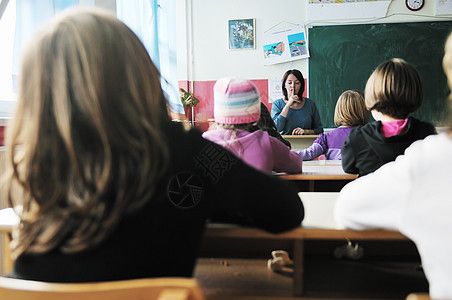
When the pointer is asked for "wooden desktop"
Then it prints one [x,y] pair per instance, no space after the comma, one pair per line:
[318,224]
[320,176]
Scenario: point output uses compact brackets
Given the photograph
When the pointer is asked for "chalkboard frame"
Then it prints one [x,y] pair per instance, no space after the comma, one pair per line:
[344,56]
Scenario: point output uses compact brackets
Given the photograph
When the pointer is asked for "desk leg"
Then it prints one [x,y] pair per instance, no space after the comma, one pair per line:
[298,257]
[311,185]
[7,261]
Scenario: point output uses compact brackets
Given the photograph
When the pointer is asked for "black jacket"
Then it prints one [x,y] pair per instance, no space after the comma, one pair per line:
[203,182]
[366,150]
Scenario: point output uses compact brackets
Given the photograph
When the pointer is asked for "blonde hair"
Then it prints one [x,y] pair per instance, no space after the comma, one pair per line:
[351,109]
[447,66]
[86,145]
[394,89]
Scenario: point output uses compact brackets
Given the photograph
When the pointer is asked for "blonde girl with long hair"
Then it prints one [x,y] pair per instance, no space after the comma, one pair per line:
[350,112]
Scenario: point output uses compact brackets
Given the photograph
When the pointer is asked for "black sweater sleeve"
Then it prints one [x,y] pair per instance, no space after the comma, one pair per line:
[238,193]
[266,123]
[348,156]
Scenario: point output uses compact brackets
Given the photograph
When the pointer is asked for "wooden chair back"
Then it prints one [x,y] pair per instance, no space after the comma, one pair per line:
[136,289]
[418,296]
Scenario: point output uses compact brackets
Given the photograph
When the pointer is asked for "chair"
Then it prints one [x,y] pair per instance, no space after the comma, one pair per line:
[136,289]
[418,296]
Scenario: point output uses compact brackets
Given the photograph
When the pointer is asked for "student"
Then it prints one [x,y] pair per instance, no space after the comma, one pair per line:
[350,112]
[237,108]
[411,195]
[112,189]
[393,91]
[266,123]
[293,114]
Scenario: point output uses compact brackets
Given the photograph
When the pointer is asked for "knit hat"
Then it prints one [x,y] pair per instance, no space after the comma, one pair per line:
[236,101]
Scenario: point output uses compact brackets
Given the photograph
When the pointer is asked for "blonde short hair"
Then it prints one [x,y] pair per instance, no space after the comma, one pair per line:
[447,62]
[394,89]
[447,66]
[86,146]
[350,109]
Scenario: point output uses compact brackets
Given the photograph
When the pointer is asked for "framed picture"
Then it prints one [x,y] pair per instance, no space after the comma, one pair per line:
[242,34]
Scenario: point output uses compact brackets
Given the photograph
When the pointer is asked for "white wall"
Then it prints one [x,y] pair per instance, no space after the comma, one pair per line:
[212,59]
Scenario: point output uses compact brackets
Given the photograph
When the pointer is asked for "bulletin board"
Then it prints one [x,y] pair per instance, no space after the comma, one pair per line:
[344,56]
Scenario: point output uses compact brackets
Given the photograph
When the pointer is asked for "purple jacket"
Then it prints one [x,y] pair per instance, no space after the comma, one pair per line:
[258,149]
[329,143]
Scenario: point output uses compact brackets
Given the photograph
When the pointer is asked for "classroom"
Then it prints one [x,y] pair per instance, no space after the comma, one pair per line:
[234,260]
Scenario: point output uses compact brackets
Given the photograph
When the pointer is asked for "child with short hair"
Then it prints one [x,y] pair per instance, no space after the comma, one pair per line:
[393,91]
[411,195]
[237,109]
[350,112]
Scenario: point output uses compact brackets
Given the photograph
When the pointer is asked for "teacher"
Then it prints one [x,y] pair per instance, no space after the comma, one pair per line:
[294,114]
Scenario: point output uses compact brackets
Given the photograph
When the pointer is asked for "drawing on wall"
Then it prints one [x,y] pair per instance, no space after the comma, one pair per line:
[274,49]
[340,1]
[241,34]
[297,43]
[443,7]
[318,10]
[283,45]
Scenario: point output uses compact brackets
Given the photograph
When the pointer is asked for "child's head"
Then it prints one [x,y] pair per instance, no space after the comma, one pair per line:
[447,62]
[394,89]
[350,109]
[447,66]
[236,102]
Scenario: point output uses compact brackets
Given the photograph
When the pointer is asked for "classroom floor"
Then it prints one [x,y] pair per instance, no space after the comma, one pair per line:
[373,277]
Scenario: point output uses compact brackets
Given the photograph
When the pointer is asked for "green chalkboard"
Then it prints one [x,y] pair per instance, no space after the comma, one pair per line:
[344,56]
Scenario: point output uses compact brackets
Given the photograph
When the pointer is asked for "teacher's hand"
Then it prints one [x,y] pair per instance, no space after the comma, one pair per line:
[292,97]
[298,131]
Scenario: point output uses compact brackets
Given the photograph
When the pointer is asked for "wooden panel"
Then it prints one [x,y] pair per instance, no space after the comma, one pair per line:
[217,231]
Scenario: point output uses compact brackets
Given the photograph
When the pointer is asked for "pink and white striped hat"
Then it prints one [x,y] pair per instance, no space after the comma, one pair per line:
[236,101]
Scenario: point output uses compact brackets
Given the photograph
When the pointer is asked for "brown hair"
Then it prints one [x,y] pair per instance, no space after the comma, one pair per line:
[86,146]
[300,78]
[350,109]
[394,89]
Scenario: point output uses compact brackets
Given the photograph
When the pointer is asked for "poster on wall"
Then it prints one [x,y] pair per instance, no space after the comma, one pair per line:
[285,45]
[274,89]
[241,34]
[443,7]
[321,10]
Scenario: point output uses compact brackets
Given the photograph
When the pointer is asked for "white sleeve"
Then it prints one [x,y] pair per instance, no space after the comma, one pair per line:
[376,200]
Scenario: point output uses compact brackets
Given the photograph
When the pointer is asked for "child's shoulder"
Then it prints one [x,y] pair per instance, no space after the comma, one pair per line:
[214,134]
[420,129]
[421,123]
[338,130]
[369,129]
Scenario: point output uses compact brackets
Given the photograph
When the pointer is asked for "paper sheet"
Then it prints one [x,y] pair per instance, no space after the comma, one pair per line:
[348,10]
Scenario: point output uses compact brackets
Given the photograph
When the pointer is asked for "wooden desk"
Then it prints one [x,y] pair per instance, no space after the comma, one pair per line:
[8,220]
[329,172]
[318,225]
